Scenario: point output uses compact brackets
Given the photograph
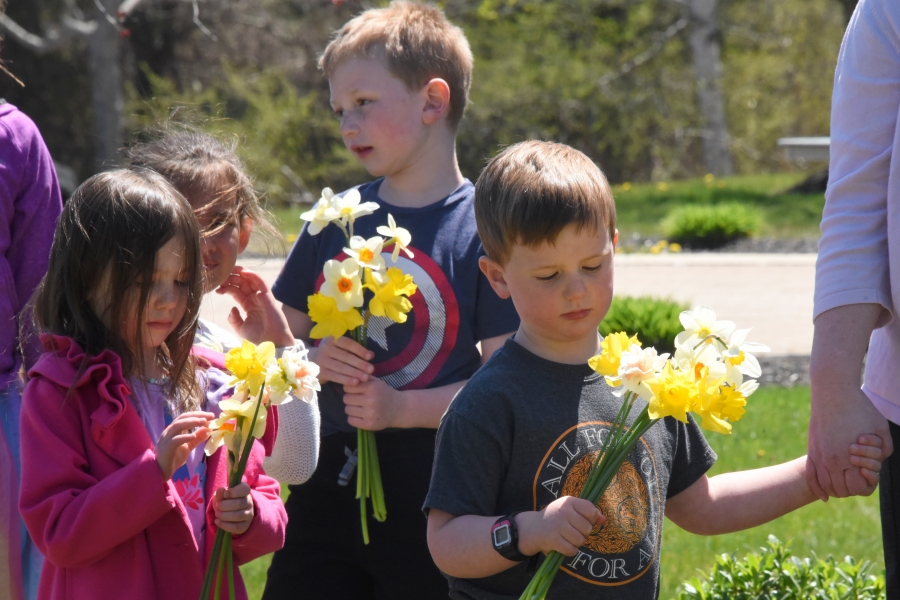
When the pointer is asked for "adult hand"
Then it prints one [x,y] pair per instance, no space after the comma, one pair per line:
[840,414]
[264,321]
[342,360]
[234,508]
[184,433]
[374,405]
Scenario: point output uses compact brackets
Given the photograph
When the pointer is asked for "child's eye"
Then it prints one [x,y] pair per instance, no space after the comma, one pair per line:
[547,278]
[593,269]
[363,102]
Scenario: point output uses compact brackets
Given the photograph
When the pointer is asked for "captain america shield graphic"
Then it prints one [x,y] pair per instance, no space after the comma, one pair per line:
[421,346]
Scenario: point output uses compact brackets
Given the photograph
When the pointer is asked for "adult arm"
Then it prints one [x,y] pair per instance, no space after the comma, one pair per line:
[853,292]
[840,410]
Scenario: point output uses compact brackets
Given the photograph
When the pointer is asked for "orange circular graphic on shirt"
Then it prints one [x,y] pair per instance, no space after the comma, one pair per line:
[624,504]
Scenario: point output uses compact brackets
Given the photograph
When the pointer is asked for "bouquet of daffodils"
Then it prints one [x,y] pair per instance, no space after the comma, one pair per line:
[341,306]
[260,381]
[705,376]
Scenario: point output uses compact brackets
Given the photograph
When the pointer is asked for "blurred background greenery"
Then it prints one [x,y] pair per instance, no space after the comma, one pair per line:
[616,79]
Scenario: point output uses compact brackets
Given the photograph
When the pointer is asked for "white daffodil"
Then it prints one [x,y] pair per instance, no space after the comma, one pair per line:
[292,375]
[637,365]
[367,253]
[696,358]
[738,358]
[224,428]
[301,373]
[400,237]
[701,327]
[321,214]
[348,206]
[342,283]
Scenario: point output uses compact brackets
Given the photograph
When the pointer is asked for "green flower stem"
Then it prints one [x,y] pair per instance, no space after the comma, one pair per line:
[222,544]
[219,568]
[377,490]
[229,561]
[618,444]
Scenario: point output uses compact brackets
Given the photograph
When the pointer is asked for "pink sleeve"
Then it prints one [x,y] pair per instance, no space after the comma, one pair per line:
[852,267]
[75,518]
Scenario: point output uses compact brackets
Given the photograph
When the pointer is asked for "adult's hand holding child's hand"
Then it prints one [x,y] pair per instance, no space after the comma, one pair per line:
[234,508]
[184,433]
[563,525]
[840,414]
[342,360]
[264,321]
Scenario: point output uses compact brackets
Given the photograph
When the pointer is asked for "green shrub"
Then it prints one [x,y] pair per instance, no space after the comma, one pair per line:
[654,321]
[711,226]
[774,574]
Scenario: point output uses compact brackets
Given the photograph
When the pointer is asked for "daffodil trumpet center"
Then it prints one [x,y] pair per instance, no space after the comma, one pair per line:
[736,360]
[366,255]
[345,284]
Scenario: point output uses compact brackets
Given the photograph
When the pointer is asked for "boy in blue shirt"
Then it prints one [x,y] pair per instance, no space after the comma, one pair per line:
[516,444]
[399,80]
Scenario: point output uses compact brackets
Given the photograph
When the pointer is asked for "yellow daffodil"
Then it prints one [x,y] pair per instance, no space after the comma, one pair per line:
[248,363]
[342,283]
[700,360]
[389,299]
[719,407]
[613,345]
[321,213]
[223,433]
[329,320]
[636,366]
[701,327]
[348,206]
[738,358]
[673,394]
[398,236]
[367,253]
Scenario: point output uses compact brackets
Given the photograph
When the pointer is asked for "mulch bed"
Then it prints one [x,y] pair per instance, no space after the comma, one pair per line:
[784,370]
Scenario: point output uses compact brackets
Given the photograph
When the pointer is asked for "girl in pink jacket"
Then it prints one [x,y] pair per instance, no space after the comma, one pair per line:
[116,491]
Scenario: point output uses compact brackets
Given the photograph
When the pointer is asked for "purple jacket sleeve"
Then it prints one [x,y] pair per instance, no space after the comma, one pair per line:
[30,204]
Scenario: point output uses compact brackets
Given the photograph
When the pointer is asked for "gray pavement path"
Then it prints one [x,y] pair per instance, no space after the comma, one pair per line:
[772,293]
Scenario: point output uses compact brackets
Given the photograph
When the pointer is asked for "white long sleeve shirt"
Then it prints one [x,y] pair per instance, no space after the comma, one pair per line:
[859,253]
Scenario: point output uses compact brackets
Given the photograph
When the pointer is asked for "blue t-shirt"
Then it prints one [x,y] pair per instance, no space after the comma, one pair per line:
[453,308]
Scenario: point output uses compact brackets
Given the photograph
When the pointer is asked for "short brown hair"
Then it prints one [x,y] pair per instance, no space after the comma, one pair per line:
[531,191]
[418,43]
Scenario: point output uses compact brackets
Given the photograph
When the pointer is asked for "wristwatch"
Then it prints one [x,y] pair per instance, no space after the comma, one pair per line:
[505,538]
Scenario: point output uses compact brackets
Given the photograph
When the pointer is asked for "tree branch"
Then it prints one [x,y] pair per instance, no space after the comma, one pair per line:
[127,7]
[658,44]
[56,36]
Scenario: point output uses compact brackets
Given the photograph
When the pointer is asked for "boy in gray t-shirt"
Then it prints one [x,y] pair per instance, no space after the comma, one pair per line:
[516,444]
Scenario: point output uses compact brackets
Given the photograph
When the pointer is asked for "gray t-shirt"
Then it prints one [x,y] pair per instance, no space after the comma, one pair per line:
[522,433]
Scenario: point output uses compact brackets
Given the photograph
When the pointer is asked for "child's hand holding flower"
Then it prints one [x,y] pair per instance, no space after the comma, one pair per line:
[184,433]
[233,508]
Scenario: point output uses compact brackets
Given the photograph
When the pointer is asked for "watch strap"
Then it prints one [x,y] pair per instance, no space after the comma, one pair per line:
[511,551]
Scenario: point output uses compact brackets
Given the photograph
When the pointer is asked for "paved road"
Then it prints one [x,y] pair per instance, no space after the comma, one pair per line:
[772,293]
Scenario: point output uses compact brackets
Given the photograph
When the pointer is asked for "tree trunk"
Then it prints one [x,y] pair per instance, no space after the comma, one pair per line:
[708,71]
[107,94]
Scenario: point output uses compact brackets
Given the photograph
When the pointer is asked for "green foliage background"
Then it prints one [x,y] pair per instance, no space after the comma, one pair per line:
[548,69]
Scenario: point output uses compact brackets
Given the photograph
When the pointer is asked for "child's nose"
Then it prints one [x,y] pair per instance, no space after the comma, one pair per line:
[166,296]
[349,126]
[575,288]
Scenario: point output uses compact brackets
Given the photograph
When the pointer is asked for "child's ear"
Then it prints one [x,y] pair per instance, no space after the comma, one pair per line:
[244,236]
[437,100]
[616,239]
[495,276]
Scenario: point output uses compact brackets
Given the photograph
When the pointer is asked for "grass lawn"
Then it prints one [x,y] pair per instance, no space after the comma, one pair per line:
[773,431]
[641,207]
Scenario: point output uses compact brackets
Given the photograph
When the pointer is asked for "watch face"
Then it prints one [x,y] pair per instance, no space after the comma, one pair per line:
[502,536]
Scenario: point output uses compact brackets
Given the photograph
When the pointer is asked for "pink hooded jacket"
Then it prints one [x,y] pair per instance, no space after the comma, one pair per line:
[95,502]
